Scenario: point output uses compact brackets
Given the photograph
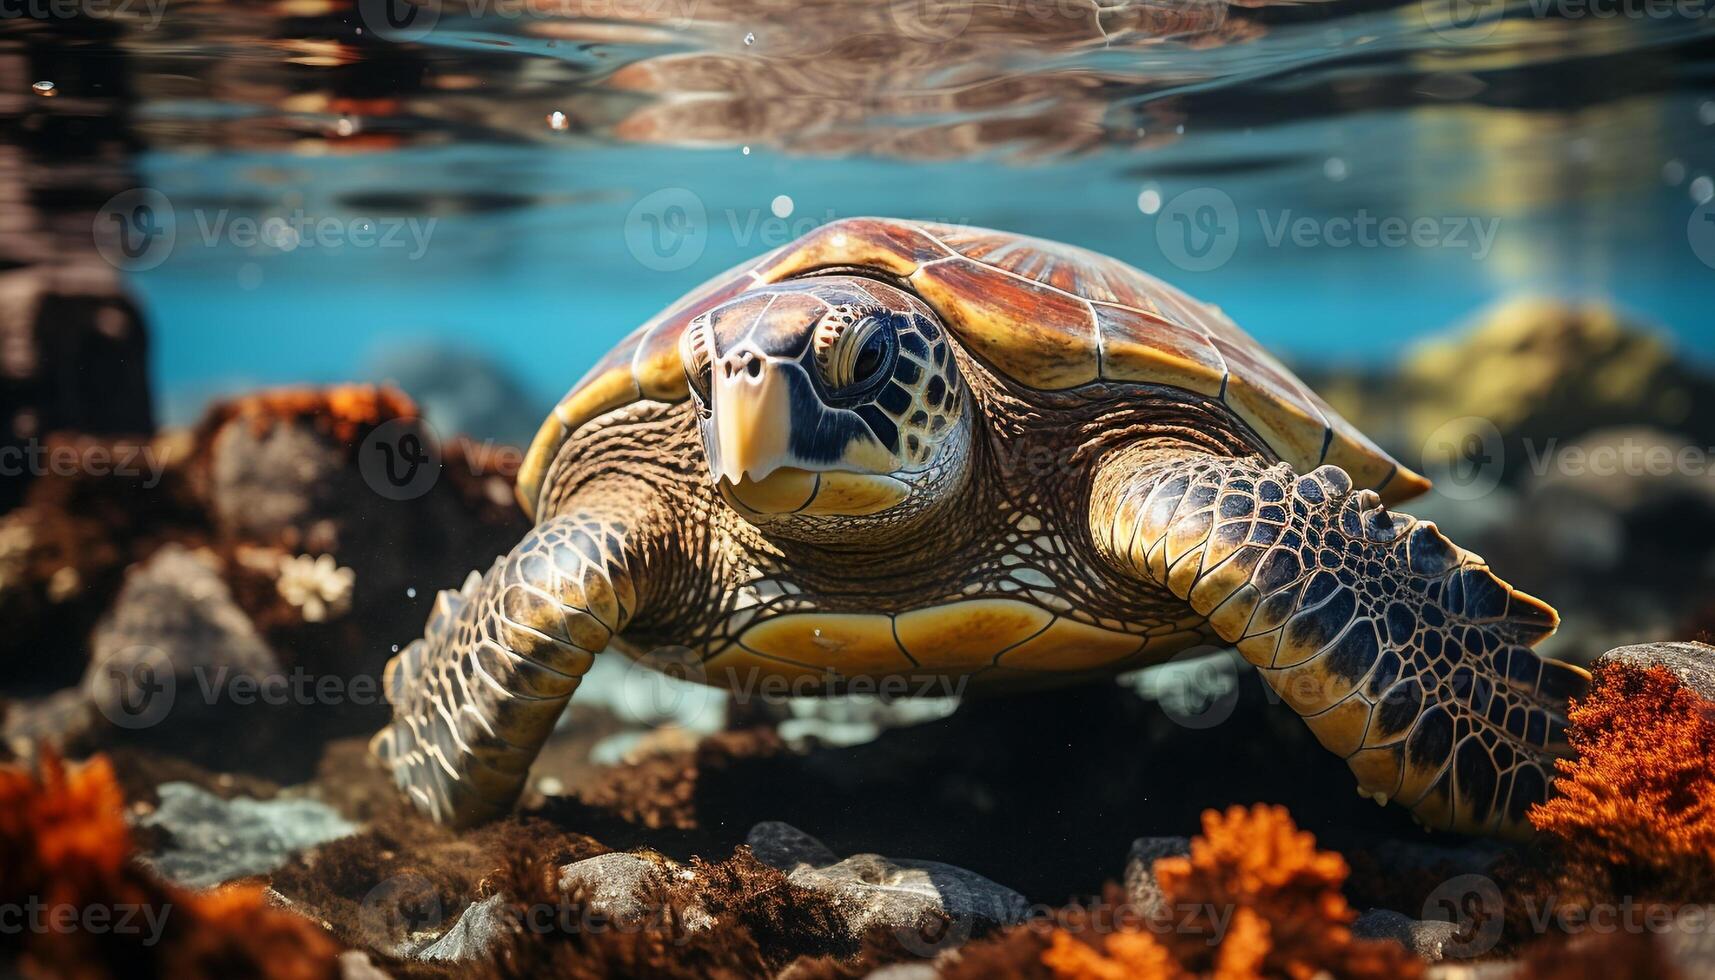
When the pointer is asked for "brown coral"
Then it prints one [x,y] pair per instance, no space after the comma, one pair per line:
[1635,810]
[1255,898]
[91,912]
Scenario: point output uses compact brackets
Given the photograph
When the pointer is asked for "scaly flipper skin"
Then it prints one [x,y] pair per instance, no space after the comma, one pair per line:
[1405,654]
[475,697]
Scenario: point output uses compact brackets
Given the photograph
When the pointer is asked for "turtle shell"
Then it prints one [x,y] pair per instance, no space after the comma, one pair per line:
[1045,315]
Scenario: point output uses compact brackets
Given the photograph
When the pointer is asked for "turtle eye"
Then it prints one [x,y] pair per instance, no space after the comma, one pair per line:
[699,364]
[853,350]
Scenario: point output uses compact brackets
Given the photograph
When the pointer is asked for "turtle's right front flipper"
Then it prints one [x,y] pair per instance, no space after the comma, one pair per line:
[476,697]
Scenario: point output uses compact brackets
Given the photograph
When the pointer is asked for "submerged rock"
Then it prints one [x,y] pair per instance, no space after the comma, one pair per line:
[215,841]
[623,888]
[917,901]
[174,632]
[1142,891]
[1426,939]
[474,936]
[1692,663]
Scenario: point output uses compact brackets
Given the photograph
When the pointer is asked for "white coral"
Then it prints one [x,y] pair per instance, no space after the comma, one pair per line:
[317,585]
[16,540]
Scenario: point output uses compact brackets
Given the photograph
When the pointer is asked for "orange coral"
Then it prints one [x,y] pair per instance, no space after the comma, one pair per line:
[1636,809]
[1128,956]
[79,907]
[1255,898]
[344,412]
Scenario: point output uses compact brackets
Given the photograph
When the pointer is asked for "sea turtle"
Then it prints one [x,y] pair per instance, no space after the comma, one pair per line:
[903,450]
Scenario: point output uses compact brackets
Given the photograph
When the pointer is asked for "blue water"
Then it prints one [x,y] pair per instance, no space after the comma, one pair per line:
[540,254]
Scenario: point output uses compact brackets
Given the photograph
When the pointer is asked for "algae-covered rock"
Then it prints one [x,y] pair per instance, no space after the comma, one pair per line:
[213,841]
[174,634]
[1536,369]
[1692,663]
[916,901]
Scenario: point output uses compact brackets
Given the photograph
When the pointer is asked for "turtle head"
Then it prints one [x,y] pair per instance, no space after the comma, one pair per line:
[828,402]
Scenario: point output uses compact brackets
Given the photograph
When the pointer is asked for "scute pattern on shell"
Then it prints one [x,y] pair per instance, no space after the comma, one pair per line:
[1044,314]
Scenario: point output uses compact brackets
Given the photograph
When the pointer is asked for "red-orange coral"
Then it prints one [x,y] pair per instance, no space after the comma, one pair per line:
[81,908]
[1255,898]
[1635,811]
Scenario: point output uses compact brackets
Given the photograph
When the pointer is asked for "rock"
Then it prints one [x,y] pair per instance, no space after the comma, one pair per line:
[279,467]
[1692,663]
[855,720]
[1474,855]
[1690,940]
[905,971]
[462,391]
[1538,369]
[474,935]
[215,840]
[174,631]
[622,887]
[1426,939]
[783,846]
[58,719]
[913,899]
[1141,889]
[354,964]
[1490,970]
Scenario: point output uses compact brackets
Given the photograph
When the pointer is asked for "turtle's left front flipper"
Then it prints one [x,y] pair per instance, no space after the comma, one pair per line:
[1405,654]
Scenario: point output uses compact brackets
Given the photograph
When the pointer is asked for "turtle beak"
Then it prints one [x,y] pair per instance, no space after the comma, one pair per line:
[752,406]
